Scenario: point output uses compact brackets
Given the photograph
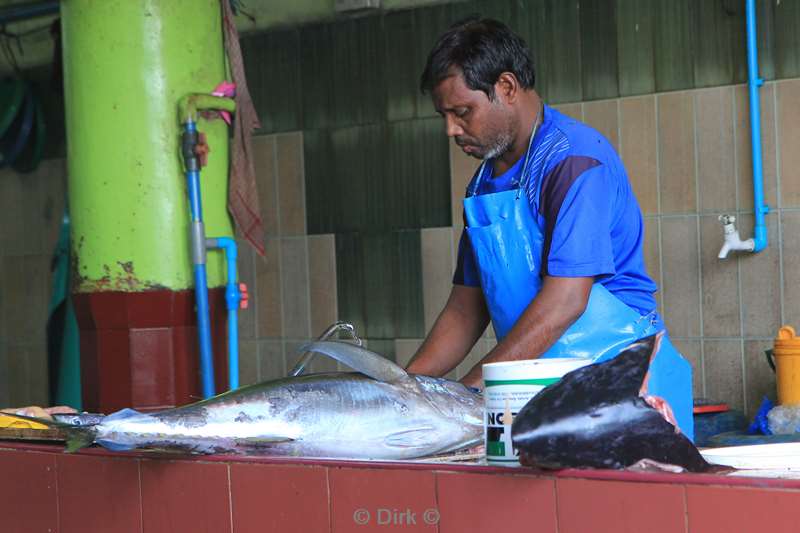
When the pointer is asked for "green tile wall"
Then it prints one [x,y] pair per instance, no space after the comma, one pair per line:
[720,43]
[635,58]
[560,51]
[273,76]
[376,156]
[377,177]
[350,280]
[673,45]
[598,24]
[359,83]
[787,38]
[429,23]
[402,78]
[765,18]
[317,76]
[379,283]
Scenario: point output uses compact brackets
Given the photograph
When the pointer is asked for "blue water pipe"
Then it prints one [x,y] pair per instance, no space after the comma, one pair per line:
[234,293]
[233,299]
[190,139]
[753,83]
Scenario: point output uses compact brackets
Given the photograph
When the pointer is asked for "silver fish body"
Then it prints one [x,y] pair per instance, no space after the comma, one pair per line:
[339,415]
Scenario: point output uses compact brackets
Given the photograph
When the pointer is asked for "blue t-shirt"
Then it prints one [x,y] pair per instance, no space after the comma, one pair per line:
[589,216]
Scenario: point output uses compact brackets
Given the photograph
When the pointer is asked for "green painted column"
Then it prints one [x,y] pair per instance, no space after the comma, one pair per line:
[126,65]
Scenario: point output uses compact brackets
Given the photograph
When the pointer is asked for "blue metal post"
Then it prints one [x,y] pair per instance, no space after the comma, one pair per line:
[199,260]
[754,82]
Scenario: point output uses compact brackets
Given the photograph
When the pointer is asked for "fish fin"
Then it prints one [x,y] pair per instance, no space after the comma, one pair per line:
[260,442]
[115,446]
[421,437]
[611,381]
[122,414]
[653,353]
[78,437]
[359,359]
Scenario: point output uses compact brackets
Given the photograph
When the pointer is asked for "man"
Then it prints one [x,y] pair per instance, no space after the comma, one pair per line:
[552,247]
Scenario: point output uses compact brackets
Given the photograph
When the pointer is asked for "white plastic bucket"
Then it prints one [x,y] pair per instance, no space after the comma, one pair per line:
[508,386]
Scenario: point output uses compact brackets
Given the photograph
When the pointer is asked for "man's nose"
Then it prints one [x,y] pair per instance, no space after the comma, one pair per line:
[453,129]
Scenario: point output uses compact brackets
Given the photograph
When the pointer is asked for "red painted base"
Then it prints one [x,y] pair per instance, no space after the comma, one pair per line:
[140,349]
[44,489]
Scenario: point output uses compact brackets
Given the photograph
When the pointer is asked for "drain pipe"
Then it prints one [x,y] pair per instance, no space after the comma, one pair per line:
[187,111]
[731,235]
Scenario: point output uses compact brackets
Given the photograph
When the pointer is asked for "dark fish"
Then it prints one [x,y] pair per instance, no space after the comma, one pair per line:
[597,417]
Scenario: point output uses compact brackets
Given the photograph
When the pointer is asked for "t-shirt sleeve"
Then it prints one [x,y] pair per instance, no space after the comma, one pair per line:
[466,271]
[578,208]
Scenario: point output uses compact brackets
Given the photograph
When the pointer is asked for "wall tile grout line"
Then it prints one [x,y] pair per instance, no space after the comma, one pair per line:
[279,241]
[778,202]
[141,501]
[659,236]
[330,499]
[698,200]
[335,278]
[619,126]
[57,489]
[230,494]
[303,181]
[740,295]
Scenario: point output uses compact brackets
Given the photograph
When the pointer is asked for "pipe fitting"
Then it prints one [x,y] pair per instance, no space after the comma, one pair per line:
[733,241]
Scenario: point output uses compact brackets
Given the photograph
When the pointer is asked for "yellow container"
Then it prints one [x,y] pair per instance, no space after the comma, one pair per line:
[13,422]
[787,365]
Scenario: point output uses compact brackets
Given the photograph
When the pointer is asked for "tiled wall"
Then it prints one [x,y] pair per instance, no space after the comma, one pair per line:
[31,210]
[657,78]
[688,157]
[363,210]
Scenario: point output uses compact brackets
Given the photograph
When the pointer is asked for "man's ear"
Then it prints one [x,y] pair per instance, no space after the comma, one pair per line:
[507,88]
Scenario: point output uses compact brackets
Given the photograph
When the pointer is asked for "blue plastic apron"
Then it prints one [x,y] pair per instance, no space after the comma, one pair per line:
[507,244]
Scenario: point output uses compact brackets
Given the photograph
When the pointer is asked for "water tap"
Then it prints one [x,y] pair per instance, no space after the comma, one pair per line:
[732,239]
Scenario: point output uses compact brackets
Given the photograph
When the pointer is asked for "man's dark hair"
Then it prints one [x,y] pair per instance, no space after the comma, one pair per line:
[482,49]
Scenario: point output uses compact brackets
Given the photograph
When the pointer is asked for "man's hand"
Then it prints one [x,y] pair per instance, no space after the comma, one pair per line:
[474,378]
[460,324]
[39,412]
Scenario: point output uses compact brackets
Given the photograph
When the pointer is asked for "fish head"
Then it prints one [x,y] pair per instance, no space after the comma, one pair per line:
[452,399]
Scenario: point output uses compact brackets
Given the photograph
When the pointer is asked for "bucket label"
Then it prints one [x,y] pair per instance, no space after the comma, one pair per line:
[504,399]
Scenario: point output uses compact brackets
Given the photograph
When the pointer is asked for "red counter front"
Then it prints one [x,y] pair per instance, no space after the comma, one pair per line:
[45,490]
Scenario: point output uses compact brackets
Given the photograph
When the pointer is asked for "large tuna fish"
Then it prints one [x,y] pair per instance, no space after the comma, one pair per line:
[379,412]
[599,416]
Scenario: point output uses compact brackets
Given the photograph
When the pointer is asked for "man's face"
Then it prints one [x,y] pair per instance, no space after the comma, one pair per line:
[483,128]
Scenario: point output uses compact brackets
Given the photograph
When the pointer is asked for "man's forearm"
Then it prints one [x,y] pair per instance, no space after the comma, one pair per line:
[558,305]
[458,327]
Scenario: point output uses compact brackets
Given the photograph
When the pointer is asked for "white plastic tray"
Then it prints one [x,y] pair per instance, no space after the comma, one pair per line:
[781,456]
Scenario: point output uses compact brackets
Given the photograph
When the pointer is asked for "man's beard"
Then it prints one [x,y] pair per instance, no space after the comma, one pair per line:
[499,142]
[499,145]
